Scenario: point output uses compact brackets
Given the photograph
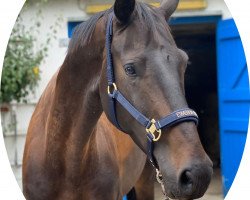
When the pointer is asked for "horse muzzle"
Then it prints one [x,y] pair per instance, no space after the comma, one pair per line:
[192,181]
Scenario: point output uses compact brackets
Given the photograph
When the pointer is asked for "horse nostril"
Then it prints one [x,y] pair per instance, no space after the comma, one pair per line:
[186,181]
[194,180]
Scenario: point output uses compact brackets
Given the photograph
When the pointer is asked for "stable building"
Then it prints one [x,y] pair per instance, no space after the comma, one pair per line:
[216,79]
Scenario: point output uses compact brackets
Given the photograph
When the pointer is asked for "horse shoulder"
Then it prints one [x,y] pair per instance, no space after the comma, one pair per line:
[122,152]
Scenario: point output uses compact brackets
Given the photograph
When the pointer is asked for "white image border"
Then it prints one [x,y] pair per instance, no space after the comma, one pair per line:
[9,188]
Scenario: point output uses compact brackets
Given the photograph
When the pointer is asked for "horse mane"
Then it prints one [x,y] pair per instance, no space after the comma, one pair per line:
[83,32]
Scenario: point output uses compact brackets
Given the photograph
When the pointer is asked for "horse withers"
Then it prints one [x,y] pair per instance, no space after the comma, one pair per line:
[124,64]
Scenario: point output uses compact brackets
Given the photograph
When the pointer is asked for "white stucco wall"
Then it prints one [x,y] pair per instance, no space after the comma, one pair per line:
[214,7]
[68,10]
[219,5]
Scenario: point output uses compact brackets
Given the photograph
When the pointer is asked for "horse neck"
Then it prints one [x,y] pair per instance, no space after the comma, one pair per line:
[76,105]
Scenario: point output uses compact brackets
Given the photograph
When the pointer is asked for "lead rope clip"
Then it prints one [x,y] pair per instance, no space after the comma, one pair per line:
[160,180]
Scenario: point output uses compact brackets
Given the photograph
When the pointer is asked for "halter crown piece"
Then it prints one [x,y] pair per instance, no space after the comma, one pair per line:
[152,127]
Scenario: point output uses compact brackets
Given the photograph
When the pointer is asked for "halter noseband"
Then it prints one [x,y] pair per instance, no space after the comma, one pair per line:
[153,127]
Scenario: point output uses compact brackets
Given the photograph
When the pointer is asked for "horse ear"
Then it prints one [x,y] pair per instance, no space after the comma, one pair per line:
[123,9]
[168,7]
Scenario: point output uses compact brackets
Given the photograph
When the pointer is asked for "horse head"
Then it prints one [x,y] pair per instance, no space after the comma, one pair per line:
[149,71]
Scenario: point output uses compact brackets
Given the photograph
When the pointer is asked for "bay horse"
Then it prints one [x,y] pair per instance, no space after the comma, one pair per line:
[76,147]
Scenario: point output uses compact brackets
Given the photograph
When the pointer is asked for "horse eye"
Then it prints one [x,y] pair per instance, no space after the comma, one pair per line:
[130,70]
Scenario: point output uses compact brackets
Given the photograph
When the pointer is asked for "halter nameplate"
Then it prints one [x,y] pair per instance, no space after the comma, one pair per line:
[185,113]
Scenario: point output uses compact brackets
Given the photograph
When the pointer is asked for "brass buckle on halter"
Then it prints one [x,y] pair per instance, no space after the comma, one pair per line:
[112,88]
[152,130]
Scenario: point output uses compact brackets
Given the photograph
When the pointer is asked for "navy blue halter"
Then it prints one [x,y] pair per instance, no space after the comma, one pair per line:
[153,127]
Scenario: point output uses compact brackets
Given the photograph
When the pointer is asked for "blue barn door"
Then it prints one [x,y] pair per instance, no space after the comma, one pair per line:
[234,99]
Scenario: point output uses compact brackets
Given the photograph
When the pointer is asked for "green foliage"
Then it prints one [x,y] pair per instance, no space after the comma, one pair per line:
[20,72]
[23,57]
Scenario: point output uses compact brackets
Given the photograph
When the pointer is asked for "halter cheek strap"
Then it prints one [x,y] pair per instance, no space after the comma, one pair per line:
[152,127]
